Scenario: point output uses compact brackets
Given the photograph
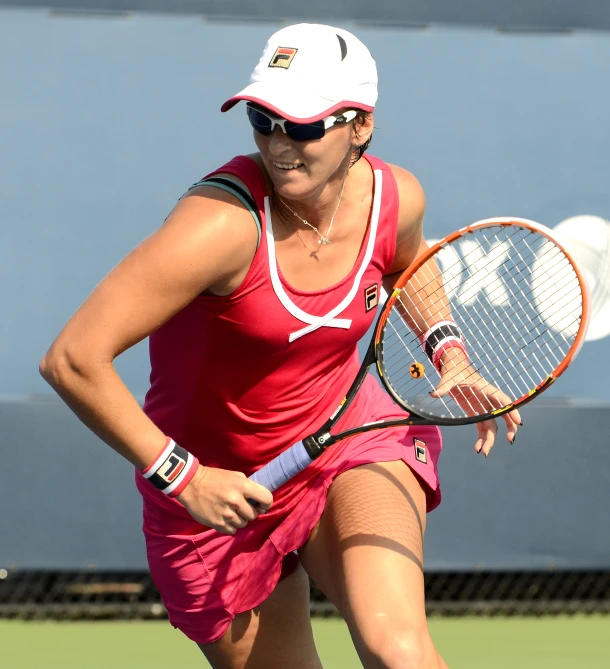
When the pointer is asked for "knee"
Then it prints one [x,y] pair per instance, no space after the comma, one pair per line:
[400,649]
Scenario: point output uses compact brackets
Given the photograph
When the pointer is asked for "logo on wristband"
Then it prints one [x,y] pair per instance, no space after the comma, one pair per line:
[171,468]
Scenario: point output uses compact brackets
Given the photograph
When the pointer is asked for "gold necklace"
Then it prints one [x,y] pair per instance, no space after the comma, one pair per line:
[313,253]
[324,239]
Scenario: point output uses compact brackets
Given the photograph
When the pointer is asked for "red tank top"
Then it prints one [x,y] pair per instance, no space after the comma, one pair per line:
[237,379]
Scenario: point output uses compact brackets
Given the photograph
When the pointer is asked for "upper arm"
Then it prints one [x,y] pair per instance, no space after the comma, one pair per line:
[411,209]
[207,242]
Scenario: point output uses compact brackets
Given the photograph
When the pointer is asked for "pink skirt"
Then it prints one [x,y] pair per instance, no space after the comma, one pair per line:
[205,578]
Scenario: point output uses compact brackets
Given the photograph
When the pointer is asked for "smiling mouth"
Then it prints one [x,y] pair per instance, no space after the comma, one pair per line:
[287,167]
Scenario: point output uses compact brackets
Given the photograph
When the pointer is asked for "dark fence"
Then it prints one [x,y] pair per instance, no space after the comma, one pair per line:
[92,595]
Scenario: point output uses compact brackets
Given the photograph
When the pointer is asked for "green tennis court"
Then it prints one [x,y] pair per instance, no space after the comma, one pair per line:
[466,643]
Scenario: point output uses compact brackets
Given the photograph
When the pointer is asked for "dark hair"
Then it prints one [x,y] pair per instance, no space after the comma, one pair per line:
[361,118]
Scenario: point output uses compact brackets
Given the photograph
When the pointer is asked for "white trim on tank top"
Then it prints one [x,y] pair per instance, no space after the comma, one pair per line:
[329,320]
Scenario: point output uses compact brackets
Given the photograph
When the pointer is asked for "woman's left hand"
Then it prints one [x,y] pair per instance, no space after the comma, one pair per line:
[476,396]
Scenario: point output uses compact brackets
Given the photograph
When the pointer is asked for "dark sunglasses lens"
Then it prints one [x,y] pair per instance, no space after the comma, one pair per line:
[305,132]
[259,121]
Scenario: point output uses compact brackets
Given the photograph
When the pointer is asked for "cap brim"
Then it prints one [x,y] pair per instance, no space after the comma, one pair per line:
[290,104]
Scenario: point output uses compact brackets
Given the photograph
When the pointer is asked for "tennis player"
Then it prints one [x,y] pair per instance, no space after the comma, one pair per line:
[255,292]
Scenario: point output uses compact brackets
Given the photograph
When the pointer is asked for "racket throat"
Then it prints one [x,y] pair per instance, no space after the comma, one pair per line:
[317,444]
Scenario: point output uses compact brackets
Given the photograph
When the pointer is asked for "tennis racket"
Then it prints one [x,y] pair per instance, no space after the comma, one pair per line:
[498,310]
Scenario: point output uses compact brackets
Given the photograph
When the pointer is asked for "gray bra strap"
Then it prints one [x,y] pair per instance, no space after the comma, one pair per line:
[227,184]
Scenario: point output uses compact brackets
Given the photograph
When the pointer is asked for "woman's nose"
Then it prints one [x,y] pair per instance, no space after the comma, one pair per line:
[279,140]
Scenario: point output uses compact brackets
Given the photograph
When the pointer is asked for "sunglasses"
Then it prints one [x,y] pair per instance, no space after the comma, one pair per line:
[264,123]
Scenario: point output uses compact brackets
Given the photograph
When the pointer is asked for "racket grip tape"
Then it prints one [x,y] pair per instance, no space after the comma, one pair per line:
[282,468]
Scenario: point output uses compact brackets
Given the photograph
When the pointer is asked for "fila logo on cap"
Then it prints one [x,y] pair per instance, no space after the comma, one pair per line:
[420,451]
[371,297]
[283,57]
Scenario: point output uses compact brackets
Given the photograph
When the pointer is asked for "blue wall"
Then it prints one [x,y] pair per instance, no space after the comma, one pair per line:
[105,122]
[70,502]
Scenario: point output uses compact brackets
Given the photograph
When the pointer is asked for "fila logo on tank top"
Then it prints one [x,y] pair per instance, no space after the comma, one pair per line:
[371,298]
[329,320]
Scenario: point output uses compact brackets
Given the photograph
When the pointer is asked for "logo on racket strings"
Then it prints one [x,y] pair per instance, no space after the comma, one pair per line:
[417,370]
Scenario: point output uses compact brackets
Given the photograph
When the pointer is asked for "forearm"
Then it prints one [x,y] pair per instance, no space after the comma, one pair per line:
[424,307]
[96,394]
[100,399]
[423,301]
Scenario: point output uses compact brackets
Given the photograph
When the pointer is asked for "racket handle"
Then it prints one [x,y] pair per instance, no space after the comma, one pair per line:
[282,468]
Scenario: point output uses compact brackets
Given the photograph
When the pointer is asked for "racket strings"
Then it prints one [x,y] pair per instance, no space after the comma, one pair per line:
[401,377]
[522,282]
[549,271]
[530,332]
[516,298]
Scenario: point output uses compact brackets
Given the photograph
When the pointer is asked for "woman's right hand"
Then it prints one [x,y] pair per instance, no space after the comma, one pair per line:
[219,498]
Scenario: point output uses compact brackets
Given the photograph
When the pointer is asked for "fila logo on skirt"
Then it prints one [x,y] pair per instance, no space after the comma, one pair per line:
[420,451]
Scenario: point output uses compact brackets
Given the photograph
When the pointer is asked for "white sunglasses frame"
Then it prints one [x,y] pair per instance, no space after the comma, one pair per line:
[329,121]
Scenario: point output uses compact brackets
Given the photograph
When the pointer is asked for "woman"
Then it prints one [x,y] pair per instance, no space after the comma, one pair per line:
[231,289]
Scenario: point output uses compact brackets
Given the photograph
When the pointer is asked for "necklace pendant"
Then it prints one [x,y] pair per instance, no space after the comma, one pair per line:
[324,240]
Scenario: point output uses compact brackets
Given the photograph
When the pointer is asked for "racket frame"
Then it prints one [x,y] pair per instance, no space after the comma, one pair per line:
[321,439]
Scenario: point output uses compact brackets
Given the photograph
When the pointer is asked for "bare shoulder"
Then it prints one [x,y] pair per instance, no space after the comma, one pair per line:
[219,224]
[204,191]
[411,210]
[205,244]
[410,191]
[219,193]
[219,233]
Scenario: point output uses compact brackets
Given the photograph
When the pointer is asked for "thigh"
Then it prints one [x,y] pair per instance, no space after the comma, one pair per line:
[276,634]
[366,554]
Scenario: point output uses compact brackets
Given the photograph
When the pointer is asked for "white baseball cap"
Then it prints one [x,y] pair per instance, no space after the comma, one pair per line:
[308,71]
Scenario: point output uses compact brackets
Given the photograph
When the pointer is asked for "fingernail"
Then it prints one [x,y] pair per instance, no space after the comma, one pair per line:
[513,440]
[521,424]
